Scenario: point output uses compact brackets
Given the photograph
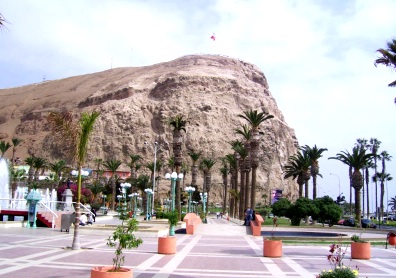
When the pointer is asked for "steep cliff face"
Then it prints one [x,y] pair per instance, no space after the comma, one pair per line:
[136,103]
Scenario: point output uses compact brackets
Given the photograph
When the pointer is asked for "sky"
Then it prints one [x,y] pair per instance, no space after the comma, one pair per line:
[318,57]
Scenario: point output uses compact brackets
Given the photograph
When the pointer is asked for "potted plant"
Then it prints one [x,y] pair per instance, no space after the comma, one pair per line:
[272,247]
[167,244]
[360,249]
[123,238]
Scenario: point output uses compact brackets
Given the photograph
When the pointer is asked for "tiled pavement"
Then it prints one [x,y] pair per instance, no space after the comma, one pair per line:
[219,249]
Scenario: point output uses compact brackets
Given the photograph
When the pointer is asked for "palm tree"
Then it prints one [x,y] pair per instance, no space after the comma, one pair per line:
[246,166]
[206,166]
[363,143]
[98,162]
[242,155]
[30,162]
[58,168]
[255,119]
[4,146]
[357,160]
[112,166]
[15,143]
[75,136]
[298,168]
[233,163]
[2,21]
[388,57]
[194,169]
[39,165]
[382,178]
[178,123]
[374,146]
[314,154]
[132,165]
[224,174]
[392,203]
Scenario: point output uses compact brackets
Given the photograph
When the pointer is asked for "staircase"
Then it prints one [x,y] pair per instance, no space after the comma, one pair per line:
[46,218]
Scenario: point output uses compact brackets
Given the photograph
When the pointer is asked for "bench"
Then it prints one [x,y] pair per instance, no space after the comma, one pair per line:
[255,225]
[192,221]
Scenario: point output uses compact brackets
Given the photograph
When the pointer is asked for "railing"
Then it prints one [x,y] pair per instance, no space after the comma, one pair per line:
[54,215]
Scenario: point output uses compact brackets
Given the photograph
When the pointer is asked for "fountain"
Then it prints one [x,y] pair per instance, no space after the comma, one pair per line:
[4,184]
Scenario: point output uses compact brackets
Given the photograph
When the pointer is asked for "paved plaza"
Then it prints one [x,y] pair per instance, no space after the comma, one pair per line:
[219,249]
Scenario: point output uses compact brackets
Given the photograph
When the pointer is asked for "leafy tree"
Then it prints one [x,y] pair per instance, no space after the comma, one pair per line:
[357,160]
[328,211]
[281,207]
[302,208]
[298,166]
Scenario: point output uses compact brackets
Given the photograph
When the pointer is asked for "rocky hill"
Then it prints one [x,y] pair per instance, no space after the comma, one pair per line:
[135,104]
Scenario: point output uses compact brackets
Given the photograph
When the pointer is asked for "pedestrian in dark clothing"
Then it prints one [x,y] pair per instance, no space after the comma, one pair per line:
[93,214]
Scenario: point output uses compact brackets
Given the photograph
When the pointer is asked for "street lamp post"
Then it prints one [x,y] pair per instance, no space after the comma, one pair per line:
[124,188]
[149,192]
[134,196]
[104,204]
[173,177]
[204,197]
[189,190]
[155,165]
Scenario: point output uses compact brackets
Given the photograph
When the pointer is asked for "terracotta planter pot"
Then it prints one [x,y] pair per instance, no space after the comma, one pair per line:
[103,272]
[392,239]
[360,250]
[272,248]
[167,245]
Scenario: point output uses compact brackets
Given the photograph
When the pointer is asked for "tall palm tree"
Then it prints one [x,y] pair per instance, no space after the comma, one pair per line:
[357,160]
[4,146]
[255,119]
[388,57]
[374,146]
[242,155]
[382,178]
[298,167]
[363,143]
[178,123]
[75,136]
[206,166]
[224,170]
[384,156]
[15,143]
[112,165]
[314,154]
[233,163]
[98,162]
[194,169]
[245,168]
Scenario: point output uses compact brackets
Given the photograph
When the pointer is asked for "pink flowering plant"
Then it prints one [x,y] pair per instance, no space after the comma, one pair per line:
[338,270]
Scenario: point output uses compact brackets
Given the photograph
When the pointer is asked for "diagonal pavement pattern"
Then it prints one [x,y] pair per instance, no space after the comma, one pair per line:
[218,249]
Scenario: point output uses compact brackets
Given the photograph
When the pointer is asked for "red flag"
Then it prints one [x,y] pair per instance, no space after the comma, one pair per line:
[213,37]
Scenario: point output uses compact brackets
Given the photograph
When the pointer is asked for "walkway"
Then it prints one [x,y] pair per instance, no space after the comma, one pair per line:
[219,249]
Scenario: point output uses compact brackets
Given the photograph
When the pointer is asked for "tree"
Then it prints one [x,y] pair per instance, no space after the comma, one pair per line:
[75,136]
[302,208]
[374,146]
[382,178]
[58,168]
[15,142]
[363,143]
[2,21]
[206,166]
[112,166]
[328,211]
[39,165]
[314,154]
[358,159]
[255,119]
[178,123]
[194,169]
[132,165]
[232,162]
[299,167]
[392,203]
[388,57]
[242,154]
[4,146]
[281,207]
[30,162]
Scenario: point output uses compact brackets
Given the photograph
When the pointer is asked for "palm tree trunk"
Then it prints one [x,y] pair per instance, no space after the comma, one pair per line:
[306,189]
[367,193]
[178,192]
[382,199]
[242,196]
[253,188]
[225,184]
[76,236]
[314,189]
[247,195]
[114,192]
[357,207]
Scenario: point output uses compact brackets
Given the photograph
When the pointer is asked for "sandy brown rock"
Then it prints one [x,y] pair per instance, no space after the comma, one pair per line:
[135,104]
